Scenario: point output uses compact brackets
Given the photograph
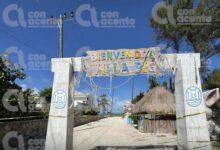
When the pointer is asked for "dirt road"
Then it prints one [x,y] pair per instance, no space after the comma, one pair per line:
[114,131]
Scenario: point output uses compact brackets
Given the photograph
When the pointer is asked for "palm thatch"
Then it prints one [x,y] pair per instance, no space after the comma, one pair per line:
[158,101]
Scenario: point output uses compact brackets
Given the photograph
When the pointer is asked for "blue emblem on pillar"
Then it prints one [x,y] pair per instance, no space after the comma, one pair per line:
[193,96]
[59,99]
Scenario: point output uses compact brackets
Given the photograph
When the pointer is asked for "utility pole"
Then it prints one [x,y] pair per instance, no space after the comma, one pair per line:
[60,25]
[60,22]
[97,98]
[113,92]
[132,89]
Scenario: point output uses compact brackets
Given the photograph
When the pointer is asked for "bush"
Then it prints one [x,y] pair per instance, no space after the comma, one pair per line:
[134,118]
[90,112]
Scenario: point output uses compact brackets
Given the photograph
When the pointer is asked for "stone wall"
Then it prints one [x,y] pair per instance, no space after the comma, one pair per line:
[30,133]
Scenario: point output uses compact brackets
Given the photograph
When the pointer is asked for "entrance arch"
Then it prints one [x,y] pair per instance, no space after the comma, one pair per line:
[192,129]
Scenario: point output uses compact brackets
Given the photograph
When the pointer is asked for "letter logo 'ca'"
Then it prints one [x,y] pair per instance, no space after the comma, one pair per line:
[7,12]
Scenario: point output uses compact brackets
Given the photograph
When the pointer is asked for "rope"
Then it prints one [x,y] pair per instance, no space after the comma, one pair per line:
[190,115]
[195,70]
[105,88]
[93,84]
[110,86]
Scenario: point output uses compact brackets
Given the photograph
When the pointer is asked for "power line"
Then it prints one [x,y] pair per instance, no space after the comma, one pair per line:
[132,89]
[13,36]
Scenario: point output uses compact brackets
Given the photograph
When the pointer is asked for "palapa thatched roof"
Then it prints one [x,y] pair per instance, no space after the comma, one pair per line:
[158,101]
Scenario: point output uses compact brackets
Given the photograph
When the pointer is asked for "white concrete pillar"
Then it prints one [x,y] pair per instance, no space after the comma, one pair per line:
[192,126]
[60,123]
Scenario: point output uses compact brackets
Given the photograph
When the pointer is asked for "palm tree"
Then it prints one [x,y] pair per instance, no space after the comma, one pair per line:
[153,82]
[103,103]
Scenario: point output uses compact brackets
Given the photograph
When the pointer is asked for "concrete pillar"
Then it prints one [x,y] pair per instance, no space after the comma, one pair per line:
[192,126]
[60,123]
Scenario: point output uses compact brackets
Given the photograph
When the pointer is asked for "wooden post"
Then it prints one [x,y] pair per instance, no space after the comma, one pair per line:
[60,122]
[192,126]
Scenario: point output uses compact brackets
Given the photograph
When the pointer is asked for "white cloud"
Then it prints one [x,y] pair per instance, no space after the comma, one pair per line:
[118,105]
[24,86]
[36,90]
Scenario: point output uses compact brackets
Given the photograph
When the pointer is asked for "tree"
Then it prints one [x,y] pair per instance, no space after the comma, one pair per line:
[9,73]
[212,80]
[26,94]
[47,94]
[165,84]
[153,82]
[90,111]
[103,104]
[137,98]
[201,38]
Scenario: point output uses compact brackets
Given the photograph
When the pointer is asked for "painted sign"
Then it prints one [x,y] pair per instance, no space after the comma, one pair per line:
[123,62]
[193,96]
[59,99]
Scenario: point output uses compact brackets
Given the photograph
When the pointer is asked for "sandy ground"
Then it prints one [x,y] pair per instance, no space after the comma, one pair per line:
[114,131]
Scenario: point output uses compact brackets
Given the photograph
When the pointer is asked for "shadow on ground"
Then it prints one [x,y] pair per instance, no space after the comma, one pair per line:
[148,147]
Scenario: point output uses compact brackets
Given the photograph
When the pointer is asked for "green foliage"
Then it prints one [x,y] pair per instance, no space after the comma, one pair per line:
[9,73]
[26,94]
[103,104]
[134,118]
[200,38]
[90,111]
[138,98]
[212,80]
[165,84]
[153,82]
[123,115]
[47,93]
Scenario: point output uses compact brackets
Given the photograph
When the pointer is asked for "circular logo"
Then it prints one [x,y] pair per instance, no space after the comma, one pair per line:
[59,99]
[193,96]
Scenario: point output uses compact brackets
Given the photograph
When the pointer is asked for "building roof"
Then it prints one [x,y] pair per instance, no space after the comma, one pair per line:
[80,94]
[158,101]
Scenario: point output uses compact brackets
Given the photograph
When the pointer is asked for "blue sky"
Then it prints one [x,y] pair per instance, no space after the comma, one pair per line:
[43,42]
